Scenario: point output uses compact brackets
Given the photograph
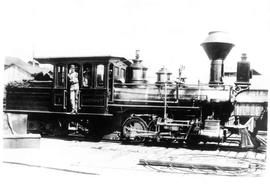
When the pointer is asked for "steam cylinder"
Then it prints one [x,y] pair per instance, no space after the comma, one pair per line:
[217,46]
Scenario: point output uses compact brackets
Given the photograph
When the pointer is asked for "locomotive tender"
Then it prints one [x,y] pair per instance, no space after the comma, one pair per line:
[114,95]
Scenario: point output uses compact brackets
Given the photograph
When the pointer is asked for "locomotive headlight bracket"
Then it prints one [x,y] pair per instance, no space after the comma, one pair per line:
[239,89]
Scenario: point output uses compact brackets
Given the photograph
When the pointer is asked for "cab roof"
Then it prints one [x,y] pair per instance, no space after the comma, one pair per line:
[79,59]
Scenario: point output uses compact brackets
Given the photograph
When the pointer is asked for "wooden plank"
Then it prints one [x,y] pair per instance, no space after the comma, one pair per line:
[196,164]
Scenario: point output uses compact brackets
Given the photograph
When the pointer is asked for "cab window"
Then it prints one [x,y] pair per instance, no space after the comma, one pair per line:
[116,71]
[87,75]
[123,73]
[60,76]
[100,75]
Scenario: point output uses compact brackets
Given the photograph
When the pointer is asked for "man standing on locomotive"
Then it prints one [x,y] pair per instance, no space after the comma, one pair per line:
[74,88]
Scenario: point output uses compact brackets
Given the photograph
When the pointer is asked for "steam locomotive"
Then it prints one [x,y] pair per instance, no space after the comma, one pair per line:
[114,95]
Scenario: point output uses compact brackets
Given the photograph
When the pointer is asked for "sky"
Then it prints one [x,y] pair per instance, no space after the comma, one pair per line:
[167,32]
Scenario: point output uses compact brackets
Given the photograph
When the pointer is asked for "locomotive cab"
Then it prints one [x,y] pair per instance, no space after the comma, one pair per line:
[96,78]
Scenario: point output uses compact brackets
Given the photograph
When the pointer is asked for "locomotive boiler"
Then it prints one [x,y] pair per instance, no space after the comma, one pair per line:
[176,111]
[114,95]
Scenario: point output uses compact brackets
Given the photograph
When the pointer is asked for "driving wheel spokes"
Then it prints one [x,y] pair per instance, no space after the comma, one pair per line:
[131,129]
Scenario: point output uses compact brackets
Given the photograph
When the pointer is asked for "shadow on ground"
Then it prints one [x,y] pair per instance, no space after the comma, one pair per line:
[207,147]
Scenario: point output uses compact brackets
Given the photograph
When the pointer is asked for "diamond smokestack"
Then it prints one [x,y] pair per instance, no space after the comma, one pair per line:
[217,46]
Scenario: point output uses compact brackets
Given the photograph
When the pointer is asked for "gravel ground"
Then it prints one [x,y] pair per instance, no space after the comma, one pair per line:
[72,160]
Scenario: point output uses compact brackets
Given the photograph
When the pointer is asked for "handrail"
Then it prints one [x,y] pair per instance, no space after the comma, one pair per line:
[200,85]
[64,100]
[79,100]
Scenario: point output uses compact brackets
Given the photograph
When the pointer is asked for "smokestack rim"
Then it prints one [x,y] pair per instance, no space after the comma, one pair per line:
[218,37]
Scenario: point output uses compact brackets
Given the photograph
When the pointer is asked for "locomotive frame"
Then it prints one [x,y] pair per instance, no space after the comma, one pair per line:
[110,106]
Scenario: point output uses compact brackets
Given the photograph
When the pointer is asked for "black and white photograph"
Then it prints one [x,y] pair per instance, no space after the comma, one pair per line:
[135,91]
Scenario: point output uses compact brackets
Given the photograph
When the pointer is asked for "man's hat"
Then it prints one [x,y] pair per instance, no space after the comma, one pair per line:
[72,66]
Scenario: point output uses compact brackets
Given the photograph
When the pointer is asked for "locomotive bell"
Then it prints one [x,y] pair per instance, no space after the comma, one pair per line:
[243,72]
[217,46]
[137,70]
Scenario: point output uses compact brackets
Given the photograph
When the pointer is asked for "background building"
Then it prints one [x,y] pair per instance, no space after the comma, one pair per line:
[17,70]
